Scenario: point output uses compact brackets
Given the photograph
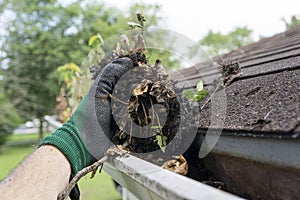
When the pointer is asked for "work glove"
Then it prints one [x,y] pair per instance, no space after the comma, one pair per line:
[86,136]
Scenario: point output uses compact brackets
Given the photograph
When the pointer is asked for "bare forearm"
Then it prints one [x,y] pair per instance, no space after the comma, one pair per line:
[43,175]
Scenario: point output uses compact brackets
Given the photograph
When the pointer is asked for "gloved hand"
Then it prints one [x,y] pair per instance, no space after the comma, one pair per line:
[86,136]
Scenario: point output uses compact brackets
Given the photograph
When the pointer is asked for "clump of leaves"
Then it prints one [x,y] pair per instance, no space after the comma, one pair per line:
[197,95]
[138,126]
[145,128]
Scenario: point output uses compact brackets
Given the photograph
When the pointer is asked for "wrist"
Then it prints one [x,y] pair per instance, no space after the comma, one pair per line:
[68,141]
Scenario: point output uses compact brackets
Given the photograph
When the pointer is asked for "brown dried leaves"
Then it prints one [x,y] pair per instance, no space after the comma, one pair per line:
[148,85]
[178,165]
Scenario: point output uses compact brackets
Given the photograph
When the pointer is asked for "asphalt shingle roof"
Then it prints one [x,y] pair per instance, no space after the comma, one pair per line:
[263,101]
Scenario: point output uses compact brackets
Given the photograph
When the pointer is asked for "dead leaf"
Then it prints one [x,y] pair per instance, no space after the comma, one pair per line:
[141,88]
[178,166]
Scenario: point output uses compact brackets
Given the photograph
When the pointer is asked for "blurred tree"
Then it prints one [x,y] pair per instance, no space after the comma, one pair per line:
[42,35]
[294,21]
[9,119]
[217,43]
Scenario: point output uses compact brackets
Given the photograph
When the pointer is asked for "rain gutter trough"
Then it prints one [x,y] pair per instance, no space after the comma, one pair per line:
[143,180]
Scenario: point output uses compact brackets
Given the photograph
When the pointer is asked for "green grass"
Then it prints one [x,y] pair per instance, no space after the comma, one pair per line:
[11,156]
[22,137]
[99,188]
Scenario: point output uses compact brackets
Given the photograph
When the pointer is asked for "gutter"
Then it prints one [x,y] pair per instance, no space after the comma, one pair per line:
[256,167]
[143,180]
[148,181]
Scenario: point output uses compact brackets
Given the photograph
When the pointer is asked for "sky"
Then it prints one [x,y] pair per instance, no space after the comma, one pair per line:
[194,18]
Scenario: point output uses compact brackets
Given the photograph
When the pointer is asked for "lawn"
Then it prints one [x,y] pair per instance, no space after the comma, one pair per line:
[24,137]
[99,188]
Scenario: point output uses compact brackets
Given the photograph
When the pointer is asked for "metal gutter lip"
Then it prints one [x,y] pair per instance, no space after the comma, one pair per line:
[148,181]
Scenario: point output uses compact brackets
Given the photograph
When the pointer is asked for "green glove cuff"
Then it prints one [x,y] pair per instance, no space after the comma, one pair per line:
[67,140]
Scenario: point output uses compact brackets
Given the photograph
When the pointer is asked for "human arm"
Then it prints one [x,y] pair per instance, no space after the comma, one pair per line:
[43,175]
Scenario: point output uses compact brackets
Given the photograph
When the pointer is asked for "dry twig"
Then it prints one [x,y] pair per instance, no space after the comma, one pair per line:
[113,151]
[92,168]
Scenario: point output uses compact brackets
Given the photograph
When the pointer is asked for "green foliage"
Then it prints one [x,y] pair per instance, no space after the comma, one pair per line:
[156,127]
[197,95]
[199,86]
[96,54]
[66,77]
[95,40]
[168,60]
[161,141]
[294,21]
[68,73]
[42,36]
[9,119]
[217,43]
